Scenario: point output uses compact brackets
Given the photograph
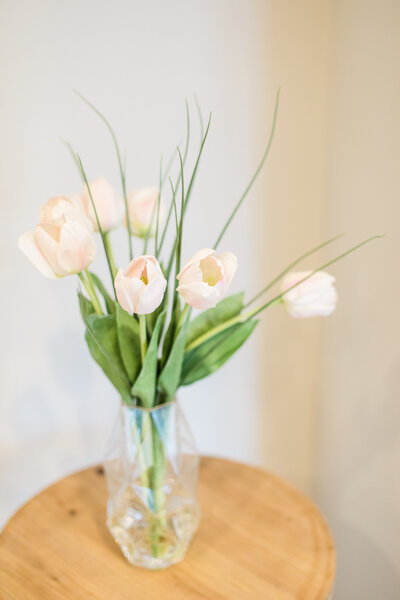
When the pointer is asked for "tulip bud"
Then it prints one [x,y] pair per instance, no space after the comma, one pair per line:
[59,251]
[109,207]
[141,288]
[142,207]
[313,297]
[206,277]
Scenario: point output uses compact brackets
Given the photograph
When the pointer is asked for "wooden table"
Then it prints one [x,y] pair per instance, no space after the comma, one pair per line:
[258,539]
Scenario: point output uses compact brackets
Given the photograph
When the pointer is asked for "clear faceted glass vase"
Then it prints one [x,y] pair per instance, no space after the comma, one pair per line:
[152,471]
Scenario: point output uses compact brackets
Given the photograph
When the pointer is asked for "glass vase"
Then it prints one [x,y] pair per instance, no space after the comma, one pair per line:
[152,471]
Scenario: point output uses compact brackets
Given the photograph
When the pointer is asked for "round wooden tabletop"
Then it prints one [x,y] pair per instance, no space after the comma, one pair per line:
[258,539]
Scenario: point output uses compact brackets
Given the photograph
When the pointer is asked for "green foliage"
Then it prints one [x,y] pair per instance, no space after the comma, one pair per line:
[170,333]
[85,305]
[189,350]
[226,309]
[168,381]
[144,387]
[129,342]
[101,338]
[213,353]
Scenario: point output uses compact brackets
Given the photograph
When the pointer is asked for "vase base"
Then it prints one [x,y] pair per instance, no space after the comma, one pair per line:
[152,541]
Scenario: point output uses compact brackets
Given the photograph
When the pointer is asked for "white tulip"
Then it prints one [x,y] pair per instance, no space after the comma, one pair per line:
[313,297]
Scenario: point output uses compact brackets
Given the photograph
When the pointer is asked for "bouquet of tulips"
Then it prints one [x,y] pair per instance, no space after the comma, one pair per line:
[140,331]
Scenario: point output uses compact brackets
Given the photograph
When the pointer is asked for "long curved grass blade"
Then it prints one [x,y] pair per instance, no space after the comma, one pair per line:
[169,165]
[103,239]
[190,186]
[175,209]
[200,116]
[158,206]
[120,164]
[72,152]
[154,212]
[179,247]
[168,271]
[158,250]
[252,180]
[291,266]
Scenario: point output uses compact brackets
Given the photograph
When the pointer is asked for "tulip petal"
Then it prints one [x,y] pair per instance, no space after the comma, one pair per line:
[27,245]
[192,274]
[122,290]
[135,267]
[76,248]
[196,258]
[199,295]
[229,262]
[136,288]
[109,207]
[60,210]
[152,296]
[142,205]
[46,238]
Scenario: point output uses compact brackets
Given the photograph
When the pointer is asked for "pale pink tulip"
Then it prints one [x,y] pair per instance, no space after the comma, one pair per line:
[314,297]
[206,277]
[61,209]
[141,288]
[109,207]
[59,251]
[142,206]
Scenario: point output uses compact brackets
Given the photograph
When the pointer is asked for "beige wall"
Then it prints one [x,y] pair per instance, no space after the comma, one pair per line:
[297,47]
[314,401]
[358,419]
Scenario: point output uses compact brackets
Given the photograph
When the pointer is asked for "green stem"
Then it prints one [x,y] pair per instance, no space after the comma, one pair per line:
[219,328]
[143,336]
[158,524]
[110,253]
[89,287]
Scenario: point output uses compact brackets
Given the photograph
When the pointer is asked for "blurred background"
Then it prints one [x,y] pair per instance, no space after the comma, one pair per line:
[315,401]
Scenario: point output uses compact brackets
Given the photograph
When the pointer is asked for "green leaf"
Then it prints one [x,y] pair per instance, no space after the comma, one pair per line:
[86,307]
[129,342]
[226,309]
[212,354]
[144,387]
[170,333]
[109,302]
[168,382]
[101,338]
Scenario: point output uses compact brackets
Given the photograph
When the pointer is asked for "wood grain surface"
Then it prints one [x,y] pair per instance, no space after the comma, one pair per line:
[258,539]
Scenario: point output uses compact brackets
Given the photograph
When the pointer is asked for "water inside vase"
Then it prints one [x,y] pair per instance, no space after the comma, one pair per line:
[148,539]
